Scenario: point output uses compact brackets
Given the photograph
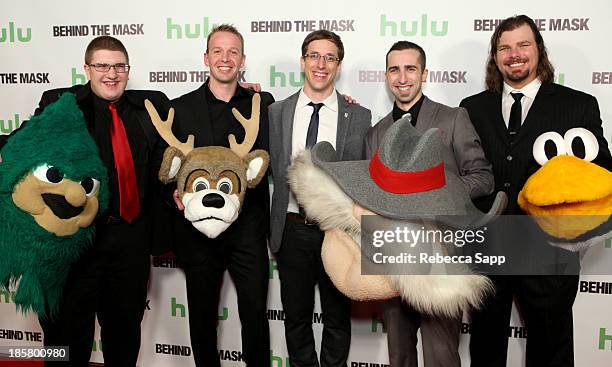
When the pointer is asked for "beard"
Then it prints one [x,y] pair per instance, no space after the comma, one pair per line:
[516,76]
[519,77]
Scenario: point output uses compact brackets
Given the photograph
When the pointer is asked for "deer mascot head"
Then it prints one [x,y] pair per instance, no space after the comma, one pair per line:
[212,181]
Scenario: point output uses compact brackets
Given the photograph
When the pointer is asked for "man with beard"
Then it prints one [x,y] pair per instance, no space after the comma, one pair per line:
[522,102]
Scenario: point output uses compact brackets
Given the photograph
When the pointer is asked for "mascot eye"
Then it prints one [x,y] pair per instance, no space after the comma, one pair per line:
[224,185]
[200,184]
[48,174]
[548,146]
[90,185]
[581,143]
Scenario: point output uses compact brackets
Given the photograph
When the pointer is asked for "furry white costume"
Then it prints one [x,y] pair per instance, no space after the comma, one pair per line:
[336,194]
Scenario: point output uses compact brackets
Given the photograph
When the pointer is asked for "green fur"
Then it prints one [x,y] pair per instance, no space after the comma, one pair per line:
[38,259]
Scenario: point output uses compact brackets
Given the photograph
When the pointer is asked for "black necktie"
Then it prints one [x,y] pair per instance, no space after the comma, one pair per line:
[313,127]
[516,113]
[311,136]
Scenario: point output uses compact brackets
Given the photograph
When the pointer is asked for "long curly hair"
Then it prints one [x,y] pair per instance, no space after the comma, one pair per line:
[545,71]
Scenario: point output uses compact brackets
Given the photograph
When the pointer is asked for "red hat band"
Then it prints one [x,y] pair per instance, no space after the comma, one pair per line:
[399,182]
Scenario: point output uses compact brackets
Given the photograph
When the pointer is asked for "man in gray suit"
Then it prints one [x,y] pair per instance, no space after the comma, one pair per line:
[405,73]
[317,112]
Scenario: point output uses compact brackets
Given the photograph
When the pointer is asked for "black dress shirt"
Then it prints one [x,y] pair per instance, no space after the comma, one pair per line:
[413,111]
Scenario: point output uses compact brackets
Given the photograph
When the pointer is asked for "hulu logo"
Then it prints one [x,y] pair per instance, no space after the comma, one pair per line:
[282,78]
[272,267]
[7,126]
[412,28]
[278,361]
[77,78]
[188,30]
[6,296]
[9,34]
[603,338]
[224,315]
[176,308]
[377,320]
[560,78]
[96,346]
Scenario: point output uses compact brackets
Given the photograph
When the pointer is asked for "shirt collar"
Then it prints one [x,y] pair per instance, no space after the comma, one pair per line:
[530,90]
[103,104]
[330,102]
[240,92]
[398,113]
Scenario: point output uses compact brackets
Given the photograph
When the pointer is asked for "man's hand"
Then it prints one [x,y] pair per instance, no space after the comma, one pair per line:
[177,201]
[254,86]
[349,99]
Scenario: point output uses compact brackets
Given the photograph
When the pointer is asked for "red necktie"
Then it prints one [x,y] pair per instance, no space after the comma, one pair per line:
[129,197]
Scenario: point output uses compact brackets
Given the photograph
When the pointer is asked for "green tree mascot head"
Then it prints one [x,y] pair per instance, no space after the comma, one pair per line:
[53,184]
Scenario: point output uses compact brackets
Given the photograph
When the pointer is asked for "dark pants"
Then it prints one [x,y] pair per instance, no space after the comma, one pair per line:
[245,256]
[545,304]
[110,280]
[439,337]
[300,268]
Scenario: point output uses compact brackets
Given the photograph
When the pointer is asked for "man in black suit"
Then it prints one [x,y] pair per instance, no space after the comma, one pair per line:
[110,280]
[242,248]
[522,102]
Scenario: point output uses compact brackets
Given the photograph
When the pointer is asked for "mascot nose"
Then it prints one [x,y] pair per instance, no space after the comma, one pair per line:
[60,206]
[213,200]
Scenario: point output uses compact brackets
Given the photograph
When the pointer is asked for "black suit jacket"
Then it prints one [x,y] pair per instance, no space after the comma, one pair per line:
[192,117]
[146,153]
[555,108]
[146,146]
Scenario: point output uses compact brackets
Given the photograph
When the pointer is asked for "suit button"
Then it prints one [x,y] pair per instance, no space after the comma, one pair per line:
[506,184]
[509,158]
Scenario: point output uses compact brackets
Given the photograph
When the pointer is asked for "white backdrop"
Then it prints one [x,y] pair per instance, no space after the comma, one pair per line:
[42,46]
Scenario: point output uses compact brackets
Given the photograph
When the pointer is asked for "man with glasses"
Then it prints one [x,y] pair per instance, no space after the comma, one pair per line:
[110,279]
[317,112]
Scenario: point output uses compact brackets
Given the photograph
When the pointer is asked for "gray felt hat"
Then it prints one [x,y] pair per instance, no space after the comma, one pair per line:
[406,179]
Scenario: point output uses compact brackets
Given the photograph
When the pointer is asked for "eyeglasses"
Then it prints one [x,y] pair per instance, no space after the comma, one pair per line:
[103,68]
[315,57]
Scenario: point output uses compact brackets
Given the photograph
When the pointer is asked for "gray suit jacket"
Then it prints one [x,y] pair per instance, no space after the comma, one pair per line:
[353,124]
[464,155]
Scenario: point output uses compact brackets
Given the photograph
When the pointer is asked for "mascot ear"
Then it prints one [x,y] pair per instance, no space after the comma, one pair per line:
[171,164]
[257,161]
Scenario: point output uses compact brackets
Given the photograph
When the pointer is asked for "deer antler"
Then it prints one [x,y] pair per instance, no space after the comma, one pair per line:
[164,128]
[251,129]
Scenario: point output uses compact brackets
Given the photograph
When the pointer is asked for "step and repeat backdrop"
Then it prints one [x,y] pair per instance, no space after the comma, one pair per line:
[42,46]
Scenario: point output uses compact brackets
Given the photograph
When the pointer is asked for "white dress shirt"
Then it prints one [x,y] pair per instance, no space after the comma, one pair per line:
[328,125]
[529,93]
